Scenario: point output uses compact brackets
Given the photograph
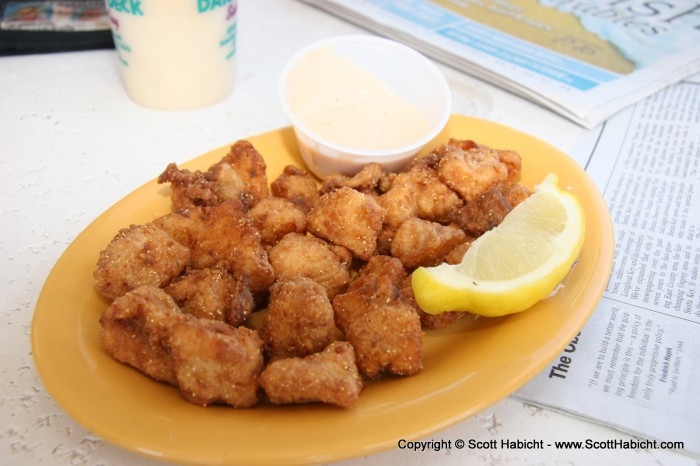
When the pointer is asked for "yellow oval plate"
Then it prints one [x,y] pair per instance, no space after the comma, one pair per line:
[467,366]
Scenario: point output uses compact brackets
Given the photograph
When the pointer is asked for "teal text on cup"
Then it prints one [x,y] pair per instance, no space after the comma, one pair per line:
[130,7]
[133,7]
[208,5]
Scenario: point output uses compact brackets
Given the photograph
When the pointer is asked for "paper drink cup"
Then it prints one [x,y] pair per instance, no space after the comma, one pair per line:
[175,54]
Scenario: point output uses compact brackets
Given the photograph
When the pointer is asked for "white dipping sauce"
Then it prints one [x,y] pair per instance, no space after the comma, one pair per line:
[342,102]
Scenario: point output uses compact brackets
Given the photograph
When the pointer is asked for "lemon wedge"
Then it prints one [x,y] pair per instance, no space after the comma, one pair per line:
[513,266]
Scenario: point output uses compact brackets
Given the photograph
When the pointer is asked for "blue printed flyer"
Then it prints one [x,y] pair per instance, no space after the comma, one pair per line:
[585,59]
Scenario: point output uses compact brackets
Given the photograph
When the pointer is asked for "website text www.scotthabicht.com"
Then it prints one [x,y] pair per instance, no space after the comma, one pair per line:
[534,444]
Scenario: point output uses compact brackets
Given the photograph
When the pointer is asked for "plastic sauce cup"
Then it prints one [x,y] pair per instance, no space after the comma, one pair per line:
[402,70]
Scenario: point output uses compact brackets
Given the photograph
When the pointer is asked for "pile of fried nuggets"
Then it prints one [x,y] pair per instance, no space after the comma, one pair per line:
[329,266]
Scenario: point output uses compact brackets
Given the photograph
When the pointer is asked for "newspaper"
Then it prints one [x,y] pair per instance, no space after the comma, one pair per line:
[636,363]
[585,59]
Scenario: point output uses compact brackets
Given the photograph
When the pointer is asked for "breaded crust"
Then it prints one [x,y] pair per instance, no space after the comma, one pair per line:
[330,376]
[222,236]
[213,293]
[216,363]
[308,256]
[299,319]
[348,218]
[135,329]
[423,243]
[274,217]
[382,327]
[296,185]
[139,255]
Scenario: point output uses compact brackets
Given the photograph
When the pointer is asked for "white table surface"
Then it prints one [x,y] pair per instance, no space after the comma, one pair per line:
[72,144]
